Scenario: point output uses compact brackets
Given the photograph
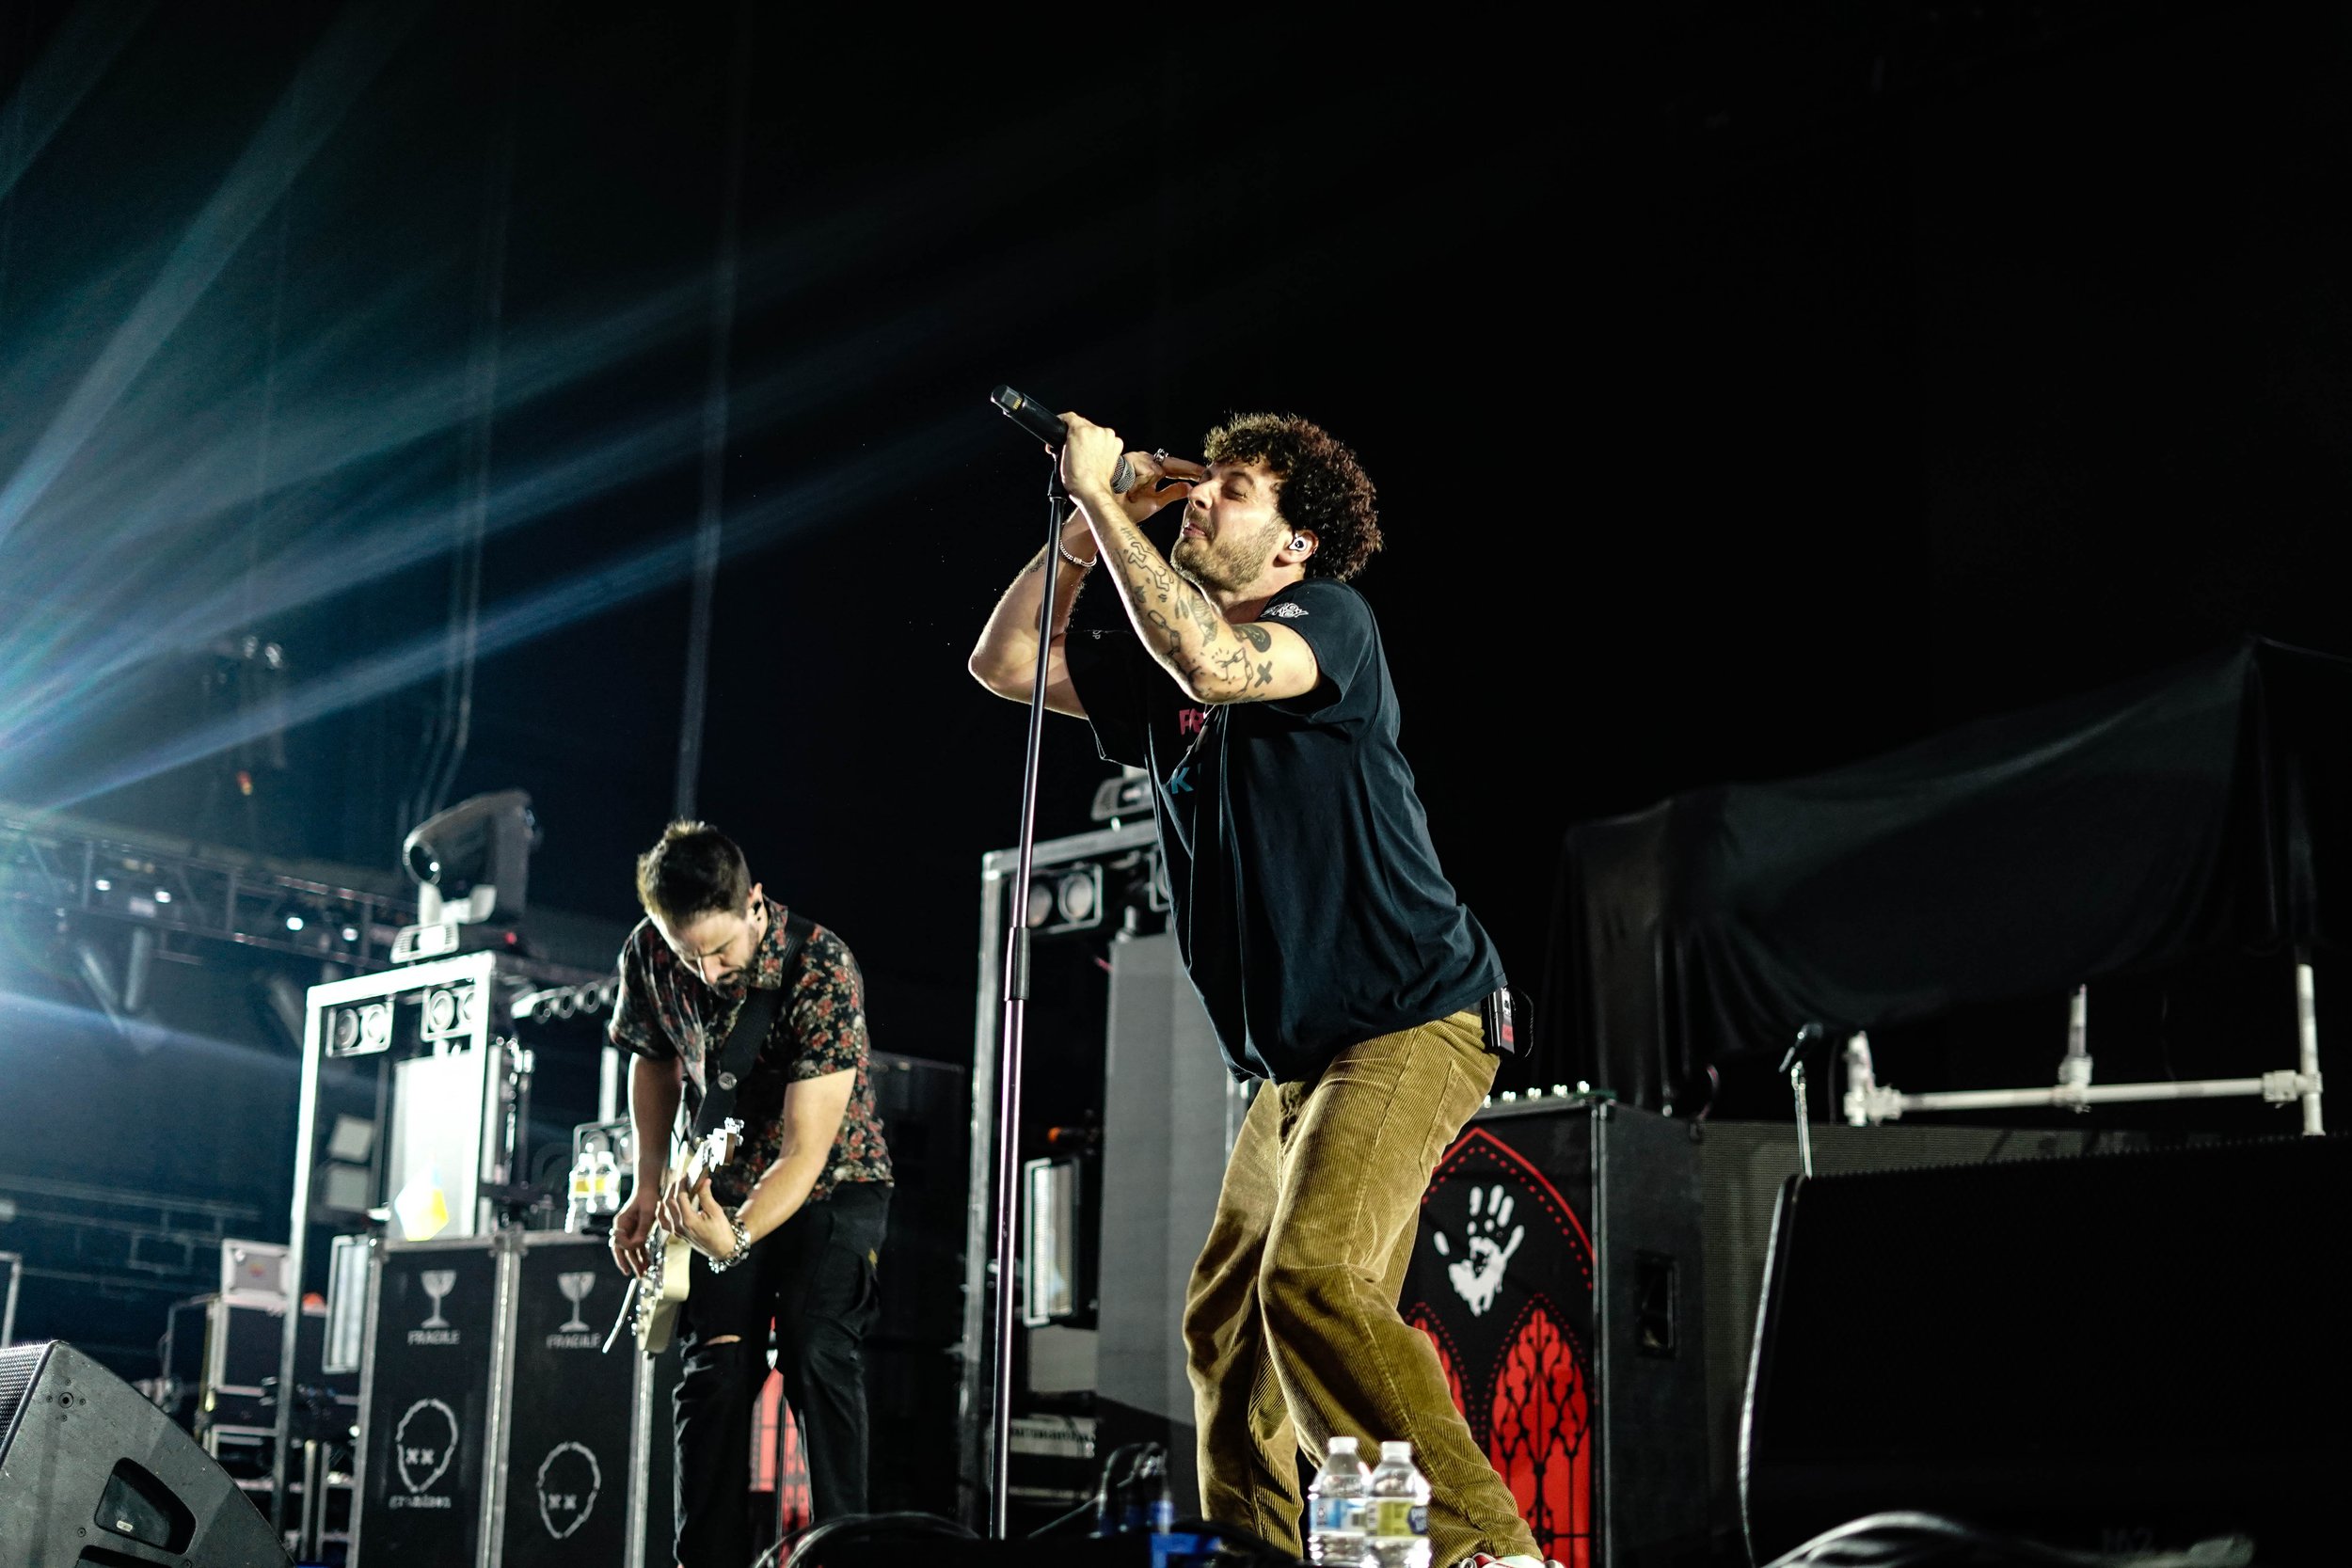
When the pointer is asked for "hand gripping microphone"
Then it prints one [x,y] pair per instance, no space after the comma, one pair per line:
[1047,426]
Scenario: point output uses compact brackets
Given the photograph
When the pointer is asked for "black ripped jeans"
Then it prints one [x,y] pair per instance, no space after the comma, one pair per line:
[813,1279]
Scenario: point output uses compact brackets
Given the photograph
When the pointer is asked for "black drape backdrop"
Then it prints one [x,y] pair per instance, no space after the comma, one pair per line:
[2112,833]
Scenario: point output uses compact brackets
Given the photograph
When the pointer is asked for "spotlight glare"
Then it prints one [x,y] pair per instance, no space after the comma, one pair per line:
[294,923]
[102,885]
[351,933]
[163,896]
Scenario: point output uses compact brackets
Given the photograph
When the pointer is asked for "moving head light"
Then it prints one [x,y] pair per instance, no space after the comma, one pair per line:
[473,865]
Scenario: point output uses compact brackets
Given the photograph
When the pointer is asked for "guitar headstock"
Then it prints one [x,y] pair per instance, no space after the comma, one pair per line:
[724,1143]
[719,1148]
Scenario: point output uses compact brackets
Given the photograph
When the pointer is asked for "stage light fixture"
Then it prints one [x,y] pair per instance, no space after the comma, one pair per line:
[449,1011]
[163,896]
[102,885]
[472,865]
[1128,794]
[359,1031]
[1066,900]
[351,933]
[344,1188]
[481,844]
[294,923]
[1078,897]
[352,1140]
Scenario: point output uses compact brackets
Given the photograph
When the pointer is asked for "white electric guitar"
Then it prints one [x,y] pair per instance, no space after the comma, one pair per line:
[656,1295]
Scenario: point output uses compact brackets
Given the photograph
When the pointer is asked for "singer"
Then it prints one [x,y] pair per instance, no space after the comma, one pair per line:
[1334,959]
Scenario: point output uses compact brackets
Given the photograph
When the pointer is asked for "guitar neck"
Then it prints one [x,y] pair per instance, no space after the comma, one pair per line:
[708,1155]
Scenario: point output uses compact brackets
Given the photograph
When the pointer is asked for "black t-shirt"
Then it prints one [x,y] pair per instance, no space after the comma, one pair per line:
[1308,904]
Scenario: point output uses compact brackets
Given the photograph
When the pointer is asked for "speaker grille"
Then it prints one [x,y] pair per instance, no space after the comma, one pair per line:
[18,1369]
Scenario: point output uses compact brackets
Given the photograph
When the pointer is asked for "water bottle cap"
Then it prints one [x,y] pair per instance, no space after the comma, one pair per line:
[1398,1450]
[1343,1445]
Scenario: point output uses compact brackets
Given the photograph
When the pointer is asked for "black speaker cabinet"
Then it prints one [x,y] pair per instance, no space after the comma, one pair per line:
[1742,1167]
[493,1432]
[2113,1351]
[90,1472]
[1558,1272]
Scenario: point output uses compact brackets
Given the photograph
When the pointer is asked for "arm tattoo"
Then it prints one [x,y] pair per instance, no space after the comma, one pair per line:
[1189,630]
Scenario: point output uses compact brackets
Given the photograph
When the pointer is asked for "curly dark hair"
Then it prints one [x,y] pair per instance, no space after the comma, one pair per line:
[693,871]
[1320,485]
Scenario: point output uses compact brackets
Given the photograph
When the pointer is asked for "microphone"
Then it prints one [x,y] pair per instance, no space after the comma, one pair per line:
[1047,426]
[1806,1036]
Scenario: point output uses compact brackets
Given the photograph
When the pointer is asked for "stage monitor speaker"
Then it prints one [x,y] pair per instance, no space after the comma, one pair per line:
[2114,1351]
[1171,1114]
[1558,1271]
[92,1473]
[1742,1167]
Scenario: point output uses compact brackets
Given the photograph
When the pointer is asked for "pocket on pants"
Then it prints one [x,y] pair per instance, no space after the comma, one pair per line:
[868,1311]
[1444,1123]
[1468,1079]
[859,1238]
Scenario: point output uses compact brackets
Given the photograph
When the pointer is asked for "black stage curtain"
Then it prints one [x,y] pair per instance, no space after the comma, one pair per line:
[2105,834]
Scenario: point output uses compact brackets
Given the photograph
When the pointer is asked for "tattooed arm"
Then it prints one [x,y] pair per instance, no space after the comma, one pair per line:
[1214,661]
[1005,659]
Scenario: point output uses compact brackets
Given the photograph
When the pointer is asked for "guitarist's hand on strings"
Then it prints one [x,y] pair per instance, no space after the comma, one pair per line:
[632,1227]
[698,1217]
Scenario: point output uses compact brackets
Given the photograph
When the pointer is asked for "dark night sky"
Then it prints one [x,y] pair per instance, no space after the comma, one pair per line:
[1751,390]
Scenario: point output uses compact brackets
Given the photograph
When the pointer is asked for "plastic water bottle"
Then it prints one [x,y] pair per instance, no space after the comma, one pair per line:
[582,1195]
[1335,1507]
[1162,1512]
[1396,1511]
[604,1182]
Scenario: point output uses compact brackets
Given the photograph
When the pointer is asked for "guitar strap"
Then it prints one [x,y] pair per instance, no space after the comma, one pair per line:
[753,1021]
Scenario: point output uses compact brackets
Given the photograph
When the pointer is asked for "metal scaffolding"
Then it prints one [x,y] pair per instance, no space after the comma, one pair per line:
[66,867]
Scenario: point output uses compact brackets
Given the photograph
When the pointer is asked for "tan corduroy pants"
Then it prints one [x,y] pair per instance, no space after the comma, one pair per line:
[1290,1329]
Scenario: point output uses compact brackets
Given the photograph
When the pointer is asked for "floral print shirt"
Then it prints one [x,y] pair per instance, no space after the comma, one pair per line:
[664,1010]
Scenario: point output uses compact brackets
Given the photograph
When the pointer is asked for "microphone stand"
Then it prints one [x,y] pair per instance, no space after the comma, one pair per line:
[1793,1064]
[1010,1035]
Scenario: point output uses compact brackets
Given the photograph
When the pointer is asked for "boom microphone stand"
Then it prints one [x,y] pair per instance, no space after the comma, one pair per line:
[1016,998]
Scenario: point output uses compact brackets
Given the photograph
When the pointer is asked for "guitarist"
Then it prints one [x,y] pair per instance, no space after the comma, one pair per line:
[789,1234]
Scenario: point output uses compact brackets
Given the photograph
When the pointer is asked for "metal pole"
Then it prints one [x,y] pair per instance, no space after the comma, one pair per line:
[609,1077]
[2097,1093]
[313,1499]
[710,524]
[297,1250]
[1015,1017]
[1805,1119]
[8,1309]
[2074,1076]
[1793,1064]
[482,396]
[2307,1033]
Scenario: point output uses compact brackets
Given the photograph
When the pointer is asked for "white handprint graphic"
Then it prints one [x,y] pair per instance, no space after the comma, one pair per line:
[1477,1275]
